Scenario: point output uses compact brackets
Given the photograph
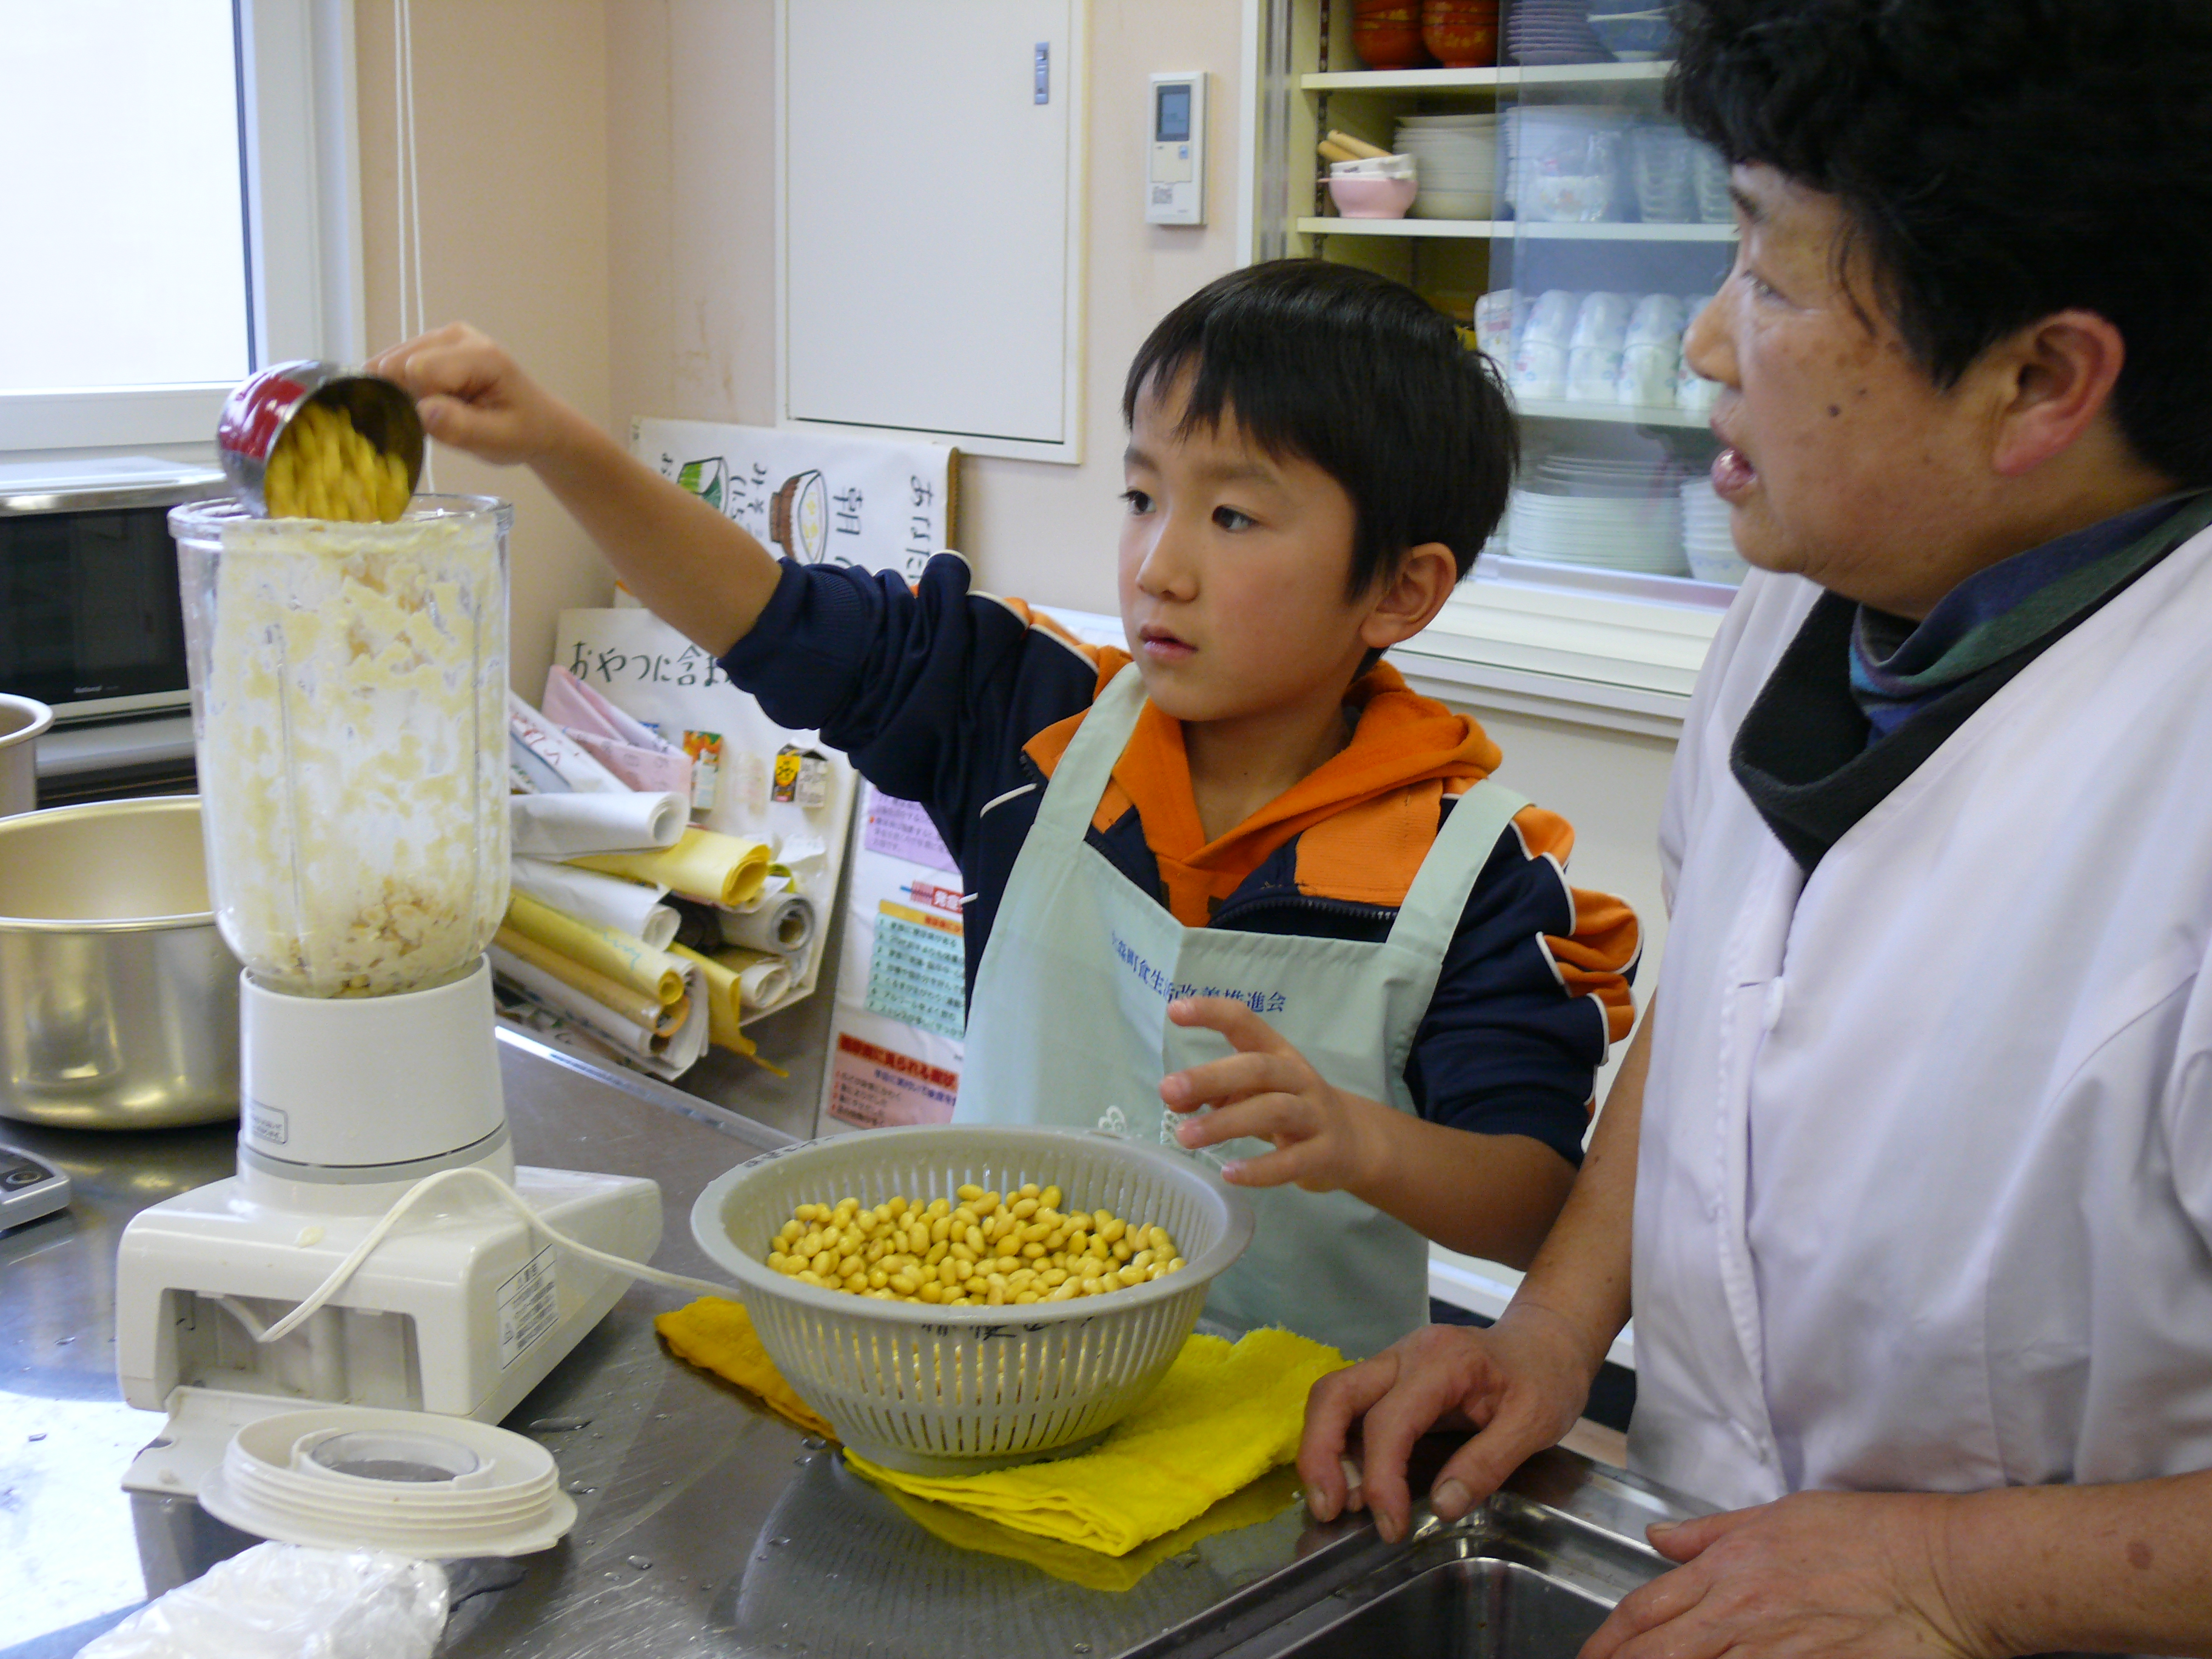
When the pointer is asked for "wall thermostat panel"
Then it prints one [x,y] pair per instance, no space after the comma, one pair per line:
[1174,165]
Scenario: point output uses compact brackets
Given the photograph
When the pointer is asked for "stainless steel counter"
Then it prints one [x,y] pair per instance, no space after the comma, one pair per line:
[706,1525]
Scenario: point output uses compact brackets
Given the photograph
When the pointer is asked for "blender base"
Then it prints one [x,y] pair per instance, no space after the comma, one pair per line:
[460,1311]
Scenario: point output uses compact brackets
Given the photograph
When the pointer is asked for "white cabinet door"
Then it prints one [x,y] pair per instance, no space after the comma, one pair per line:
[930,247]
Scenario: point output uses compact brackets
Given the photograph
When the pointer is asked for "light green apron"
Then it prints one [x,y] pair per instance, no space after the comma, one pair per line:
[1069,1027]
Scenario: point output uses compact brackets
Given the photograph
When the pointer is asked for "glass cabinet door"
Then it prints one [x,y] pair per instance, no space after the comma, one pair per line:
[1571,226]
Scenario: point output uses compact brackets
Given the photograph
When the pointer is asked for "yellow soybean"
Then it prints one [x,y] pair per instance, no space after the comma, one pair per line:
[995,1249]
[324,468]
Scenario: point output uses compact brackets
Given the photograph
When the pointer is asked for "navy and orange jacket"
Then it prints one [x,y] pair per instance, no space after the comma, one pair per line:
[965,703]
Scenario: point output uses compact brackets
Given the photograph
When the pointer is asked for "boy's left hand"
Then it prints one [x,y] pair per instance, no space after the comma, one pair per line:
[1325,1139]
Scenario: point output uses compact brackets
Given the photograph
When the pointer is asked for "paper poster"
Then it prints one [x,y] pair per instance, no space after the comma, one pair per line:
[901,829]
[815,497]
[902,980]
[874,1087]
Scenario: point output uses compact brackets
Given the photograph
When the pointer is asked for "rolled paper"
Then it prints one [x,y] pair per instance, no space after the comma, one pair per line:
[782,925]
[641,1008]
[573,704]
[724,1000]
[665,1057]
[761,979]
[593,1015]
[526,774]
[622,957]
[633,752]
[704,865]
[566,826]
[638,768]
[777,883]
[625,906]
[559,751]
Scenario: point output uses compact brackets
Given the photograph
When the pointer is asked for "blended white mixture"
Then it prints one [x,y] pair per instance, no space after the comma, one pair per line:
[353,750]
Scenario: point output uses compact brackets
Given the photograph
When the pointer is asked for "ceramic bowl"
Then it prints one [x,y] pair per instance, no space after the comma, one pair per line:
[1372,198]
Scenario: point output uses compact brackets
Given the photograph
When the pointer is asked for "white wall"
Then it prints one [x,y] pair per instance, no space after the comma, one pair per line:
[690,101]
[511,139]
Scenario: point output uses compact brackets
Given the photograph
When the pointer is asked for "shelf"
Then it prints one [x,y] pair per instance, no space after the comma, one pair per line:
[1535,230]
[1461,80]
[1555,409]
[1478,228]
[1501,230]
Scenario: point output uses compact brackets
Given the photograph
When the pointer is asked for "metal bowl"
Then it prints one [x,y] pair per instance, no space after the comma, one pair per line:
[22,723]
[119,1000]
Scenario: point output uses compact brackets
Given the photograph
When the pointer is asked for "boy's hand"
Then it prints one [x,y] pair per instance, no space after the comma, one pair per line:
[1325,1139]
[472,395]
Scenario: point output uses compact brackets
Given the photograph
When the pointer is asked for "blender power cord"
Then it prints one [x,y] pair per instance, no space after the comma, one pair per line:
[513,1201]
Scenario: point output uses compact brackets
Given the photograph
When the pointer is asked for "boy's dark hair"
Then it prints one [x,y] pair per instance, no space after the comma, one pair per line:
[1998,161]
[1359,375]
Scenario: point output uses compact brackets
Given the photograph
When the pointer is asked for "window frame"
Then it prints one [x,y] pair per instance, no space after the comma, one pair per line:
[302,188]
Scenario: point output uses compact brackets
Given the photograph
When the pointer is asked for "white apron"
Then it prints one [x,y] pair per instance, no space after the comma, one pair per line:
[1925,1184]
[1068,1026]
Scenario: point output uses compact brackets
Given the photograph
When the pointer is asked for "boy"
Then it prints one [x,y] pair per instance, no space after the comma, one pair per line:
[1250,816]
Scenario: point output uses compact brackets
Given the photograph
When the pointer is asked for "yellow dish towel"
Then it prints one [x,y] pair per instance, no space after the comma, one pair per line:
[1264,1499]
[717,1336]
[1222,1416]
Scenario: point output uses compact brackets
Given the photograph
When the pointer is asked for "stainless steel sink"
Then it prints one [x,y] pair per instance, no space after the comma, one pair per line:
[1530,1575]
[1471,1608]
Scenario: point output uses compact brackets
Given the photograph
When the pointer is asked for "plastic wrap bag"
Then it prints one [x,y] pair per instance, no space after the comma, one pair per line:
[287,1602]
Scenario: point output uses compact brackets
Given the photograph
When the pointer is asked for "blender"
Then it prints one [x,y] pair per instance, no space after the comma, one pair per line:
[349,698]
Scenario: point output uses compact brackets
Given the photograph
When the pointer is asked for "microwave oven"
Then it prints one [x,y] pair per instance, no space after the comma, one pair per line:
[91,620]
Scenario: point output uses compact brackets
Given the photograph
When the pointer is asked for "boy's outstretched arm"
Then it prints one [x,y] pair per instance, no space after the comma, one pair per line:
[704,575]
[1489,1195]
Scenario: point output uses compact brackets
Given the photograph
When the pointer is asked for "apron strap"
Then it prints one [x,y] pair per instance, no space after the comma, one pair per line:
[1438,898]
[1086,766]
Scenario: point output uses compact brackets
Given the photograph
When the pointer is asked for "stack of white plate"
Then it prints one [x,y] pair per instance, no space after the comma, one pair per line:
[1707,542]
[1610,514]
[1552,32]
[1455,158]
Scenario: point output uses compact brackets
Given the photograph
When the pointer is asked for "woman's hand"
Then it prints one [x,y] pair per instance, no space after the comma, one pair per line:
[471,395]
[1325,1139]
[1817,1573]
[1522,1383]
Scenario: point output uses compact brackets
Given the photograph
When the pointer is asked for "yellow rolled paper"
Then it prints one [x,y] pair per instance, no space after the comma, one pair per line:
[704,865]
[641,1008]
[619,956]
[725,1002]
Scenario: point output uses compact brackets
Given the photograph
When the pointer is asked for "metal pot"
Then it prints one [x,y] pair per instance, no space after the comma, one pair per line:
[119,1000]
[21,723]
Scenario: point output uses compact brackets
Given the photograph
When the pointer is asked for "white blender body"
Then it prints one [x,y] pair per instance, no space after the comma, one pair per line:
[348,697]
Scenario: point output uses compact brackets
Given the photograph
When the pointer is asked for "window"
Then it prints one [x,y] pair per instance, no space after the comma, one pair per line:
[187,166]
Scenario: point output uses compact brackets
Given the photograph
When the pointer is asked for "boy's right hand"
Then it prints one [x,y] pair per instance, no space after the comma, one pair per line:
[474,397]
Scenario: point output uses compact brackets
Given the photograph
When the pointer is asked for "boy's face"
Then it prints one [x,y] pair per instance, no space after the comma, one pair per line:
[1846,463]
[1234,570]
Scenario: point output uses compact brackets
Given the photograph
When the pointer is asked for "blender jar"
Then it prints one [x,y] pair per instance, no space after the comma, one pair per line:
[349,710]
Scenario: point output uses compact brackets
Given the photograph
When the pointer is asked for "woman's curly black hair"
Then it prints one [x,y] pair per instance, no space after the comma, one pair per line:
[1996,160]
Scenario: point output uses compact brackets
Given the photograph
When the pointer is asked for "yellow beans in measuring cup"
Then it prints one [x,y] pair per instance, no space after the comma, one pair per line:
[977,1249]
[324,468]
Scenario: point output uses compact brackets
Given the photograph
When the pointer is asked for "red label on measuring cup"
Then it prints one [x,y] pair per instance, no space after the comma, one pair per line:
[256,412]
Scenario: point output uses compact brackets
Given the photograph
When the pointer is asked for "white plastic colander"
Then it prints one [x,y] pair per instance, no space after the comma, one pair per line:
[934,1390]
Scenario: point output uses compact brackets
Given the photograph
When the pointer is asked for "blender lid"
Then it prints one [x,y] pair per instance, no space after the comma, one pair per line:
[413,1483]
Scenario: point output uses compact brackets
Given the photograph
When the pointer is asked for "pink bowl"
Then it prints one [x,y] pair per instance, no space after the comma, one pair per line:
[1371,198]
